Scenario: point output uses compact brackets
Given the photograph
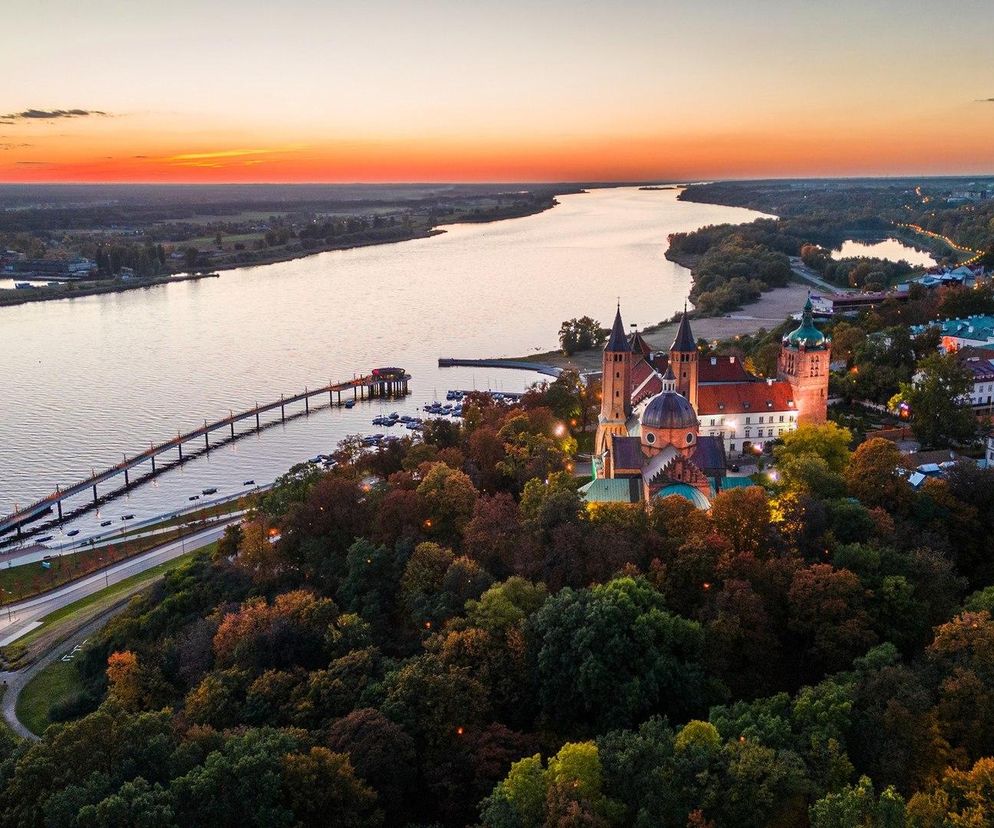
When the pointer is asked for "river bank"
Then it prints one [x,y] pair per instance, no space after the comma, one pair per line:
[73,290]
[770,310]
[300,249]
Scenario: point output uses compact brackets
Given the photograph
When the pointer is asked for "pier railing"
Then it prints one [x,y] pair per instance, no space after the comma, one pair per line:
[381,382]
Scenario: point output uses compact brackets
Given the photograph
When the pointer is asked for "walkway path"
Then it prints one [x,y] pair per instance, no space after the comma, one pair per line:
[25,613]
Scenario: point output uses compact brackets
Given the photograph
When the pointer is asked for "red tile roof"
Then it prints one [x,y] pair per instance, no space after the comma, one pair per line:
[744,397]
[721,369]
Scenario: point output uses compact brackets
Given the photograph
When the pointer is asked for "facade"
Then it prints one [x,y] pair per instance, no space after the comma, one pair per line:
[671,419]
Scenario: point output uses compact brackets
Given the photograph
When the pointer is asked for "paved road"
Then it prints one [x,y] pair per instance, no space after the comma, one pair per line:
[802,271]
[21,615]
[15,682]
[26,612]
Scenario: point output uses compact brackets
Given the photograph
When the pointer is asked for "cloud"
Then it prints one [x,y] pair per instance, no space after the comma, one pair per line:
[32,162]
[50,115]
[985,100]
[14,146]
[235,153]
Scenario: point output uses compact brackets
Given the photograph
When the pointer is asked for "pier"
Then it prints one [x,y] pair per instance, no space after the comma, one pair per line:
[379,383]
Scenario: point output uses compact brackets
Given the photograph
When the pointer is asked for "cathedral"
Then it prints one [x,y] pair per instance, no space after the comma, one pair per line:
[669,421]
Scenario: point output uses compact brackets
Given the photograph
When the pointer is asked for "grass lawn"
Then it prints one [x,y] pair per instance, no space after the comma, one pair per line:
[56,682]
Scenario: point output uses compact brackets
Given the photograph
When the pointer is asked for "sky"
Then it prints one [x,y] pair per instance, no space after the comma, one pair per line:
[517,90]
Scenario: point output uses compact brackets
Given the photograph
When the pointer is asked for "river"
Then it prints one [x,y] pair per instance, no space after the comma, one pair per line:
[89,380]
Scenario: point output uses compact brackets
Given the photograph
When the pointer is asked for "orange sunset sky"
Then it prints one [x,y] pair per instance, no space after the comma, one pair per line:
[516,91]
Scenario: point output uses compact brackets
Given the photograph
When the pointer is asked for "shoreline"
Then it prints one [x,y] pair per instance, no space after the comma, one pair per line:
[772,308]
[48,294]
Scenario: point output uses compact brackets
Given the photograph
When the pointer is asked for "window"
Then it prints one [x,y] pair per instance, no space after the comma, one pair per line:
[650,438]
[731,446]
[690,437]
[747,420]
[781,418]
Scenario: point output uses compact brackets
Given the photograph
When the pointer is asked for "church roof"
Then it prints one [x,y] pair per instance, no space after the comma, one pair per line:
[658,463]
[612,490]
[639,345]
[806,335]
[744,398]
[684,340]
[626,452]
[688,492]
[721,369]
[669,410]
[709,456]
[618,342]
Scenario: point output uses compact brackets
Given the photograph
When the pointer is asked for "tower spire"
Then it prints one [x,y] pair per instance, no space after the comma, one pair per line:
[684,339]
[618,341]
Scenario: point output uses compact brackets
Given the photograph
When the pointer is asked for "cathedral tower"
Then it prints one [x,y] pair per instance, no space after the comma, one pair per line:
[804,356]
[616,387]
[683,360]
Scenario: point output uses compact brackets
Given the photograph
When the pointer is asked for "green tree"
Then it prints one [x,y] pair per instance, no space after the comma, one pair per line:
[938,401]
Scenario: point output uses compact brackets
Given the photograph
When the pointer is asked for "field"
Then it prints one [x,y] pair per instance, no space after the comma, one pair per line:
[58,681]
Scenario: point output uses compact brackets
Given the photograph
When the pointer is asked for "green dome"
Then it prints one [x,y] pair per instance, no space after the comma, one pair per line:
[806,335]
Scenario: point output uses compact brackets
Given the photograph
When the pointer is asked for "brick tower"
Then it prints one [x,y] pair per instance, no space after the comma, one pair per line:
[616,387]
[804,356]
[683,361]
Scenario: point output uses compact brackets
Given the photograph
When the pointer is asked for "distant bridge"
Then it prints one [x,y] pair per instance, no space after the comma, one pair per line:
[381,382]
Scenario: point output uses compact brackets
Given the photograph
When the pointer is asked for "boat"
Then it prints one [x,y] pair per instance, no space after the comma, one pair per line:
[127,517]
[72,533]
[23,285]
[194,497]
[105,523]
[211,490]
[249,483]
[43,539]
[349,403]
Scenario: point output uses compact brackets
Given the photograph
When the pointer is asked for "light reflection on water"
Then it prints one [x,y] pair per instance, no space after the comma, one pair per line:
[891,249]
[88,380]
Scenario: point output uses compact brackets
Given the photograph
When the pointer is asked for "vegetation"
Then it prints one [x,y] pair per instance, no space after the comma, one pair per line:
[732,264]
[581,335]
[54,688]
[440,632]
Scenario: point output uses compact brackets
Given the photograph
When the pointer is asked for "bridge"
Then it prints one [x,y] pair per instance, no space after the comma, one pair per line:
[380,382]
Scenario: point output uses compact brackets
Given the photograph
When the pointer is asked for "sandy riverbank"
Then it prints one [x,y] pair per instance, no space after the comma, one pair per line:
[772,308]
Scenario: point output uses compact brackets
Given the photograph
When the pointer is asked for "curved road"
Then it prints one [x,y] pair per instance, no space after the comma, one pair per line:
[24,615]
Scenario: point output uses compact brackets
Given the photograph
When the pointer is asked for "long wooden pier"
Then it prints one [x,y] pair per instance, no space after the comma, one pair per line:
[380,382]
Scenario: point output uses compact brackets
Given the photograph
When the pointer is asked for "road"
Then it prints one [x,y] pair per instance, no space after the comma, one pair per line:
[805,273]
[22,615]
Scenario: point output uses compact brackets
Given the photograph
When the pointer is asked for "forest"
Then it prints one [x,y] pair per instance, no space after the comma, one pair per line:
[442,633]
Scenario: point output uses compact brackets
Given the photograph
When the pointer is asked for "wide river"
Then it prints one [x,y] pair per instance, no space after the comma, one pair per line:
[88,380]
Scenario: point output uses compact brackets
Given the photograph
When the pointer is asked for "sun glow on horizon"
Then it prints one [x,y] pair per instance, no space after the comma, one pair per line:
[466,92]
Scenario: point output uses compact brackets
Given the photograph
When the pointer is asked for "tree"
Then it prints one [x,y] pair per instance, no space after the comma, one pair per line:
[322,789]
[938,401]
[873,475]
[827,441]
[612,654]
[742,517]
[381,752]
[448,499]
[581,335]
[858,805]
[827,609]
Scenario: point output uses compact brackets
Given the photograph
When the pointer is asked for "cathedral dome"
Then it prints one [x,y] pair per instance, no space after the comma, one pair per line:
[669,410]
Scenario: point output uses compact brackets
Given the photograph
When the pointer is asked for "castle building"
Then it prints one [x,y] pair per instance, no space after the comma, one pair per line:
[669,421]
